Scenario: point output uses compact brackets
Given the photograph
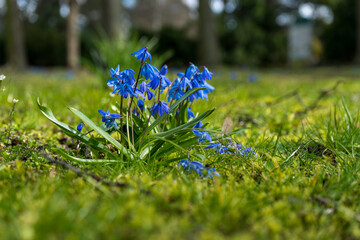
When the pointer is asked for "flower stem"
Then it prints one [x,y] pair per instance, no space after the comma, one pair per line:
[121,113]
[137,80]
[10,122]
[147,125]
[132,129]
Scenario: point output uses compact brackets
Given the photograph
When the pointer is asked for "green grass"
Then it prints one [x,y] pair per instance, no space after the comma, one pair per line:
[304,185]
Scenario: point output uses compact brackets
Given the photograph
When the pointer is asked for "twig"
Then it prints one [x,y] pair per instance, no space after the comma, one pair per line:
[81,173]
[11,115]
[284,97]
[322,94]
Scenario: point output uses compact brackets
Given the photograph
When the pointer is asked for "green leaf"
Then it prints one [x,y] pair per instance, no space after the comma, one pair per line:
[168,149]
[72,158]
[71,132]
[96,128]
[172,108]
[172,143]
[184,126]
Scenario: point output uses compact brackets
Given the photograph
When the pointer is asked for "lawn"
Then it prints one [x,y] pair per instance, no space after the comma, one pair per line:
[304,184]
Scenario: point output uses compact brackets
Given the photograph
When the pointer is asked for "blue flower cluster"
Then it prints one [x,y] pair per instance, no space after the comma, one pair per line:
[198,168]
[201,133]
[151,80]
[109,119]
[231,148]
[192,78]
[122,82]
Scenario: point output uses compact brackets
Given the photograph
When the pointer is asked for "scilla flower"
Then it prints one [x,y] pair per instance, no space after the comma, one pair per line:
[160,107]
[193,165]
[190,113]
[141,106]
[142,54]
[212,172]
[219,148]
[203,136]
[207,74]
[80,127]
[109,119]
[148,71]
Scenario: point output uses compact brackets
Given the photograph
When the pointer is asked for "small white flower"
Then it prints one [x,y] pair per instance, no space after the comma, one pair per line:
[2,77]
[4,89]
[112,95]
[15,100]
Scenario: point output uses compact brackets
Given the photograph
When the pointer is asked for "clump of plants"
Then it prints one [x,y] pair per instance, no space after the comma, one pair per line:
[153,121]
[12,111]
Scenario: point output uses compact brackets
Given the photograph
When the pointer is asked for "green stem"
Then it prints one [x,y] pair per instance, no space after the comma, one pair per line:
[137,80]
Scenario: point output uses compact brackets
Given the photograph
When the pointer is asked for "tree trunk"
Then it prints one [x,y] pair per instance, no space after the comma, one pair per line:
[15,43]
[207,42]
[73,41]
[357,57]
[111,18]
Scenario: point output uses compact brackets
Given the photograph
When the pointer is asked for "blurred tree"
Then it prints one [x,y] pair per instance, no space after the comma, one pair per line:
[111,18]
[46,33]
[339,37]
[207,42]
[73,40]
[357,59]
[249,34]
[15,43]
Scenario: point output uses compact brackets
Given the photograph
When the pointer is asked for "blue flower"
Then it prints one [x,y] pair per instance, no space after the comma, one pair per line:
[198,125]
[141,106]
[124,90]
[191,70]
[109,119]
[80,127]
[203,136]
[180,74]
[122,81]
[128,76]
[155,81]
[115,71]
[138,93]
[207,74]
[164,70]
[160,107]
[253,77]
[212,172]
[185,83]
[148,71]
[209,88]
[198,167]
[190,113]
[219,148]
[142,54]
[165,81]
[242,151]
[175,92]
[149,93]
[198,78]
[185,164]
[142,87]
[193,165]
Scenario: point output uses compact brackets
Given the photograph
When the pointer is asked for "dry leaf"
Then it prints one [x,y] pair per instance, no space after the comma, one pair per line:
[227,125]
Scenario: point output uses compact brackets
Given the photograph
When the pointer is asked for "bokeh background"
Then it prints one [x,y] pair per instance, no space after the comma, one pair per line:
[37,34]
